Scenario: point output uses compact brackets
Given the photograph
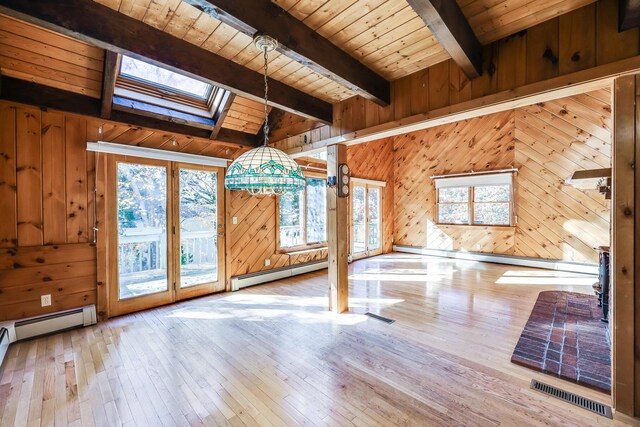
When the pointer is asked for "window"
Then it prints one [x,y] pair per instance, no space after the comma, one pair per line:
[475,199]
[303,215]
[165,79]
[145,87]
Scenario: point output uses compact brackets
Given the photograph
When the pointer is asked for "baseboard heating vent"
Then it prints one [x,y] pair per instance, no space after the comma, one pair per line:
[380,318]
[260,277]
[4,343]
[574,399]
[55,322]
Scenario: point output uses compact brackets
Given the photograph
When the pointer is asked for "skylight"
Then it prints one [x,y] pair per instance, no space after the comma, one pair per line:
[166,79]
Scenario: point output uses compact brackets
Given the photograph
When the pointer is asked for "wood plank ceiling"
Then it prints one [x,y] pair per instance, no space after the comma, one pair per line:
[385,35]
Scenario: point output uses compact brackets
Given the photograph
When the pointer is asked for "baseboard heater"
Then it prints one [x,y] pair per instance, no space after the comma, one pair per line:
[252,279]
[573,267]
[31,327]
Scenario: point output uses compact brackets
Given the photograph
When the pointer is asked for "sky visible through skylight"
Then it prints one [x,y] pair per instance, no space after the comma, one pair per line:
[159,76]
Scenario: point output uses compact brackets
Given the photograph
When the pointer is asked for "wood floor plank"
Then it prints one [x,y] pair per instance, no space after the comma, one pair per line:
[273,355]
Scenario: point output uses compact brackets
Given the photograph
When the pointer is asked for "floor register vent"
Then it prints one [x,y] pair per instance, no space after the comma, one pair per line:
[574,399]
[380,318]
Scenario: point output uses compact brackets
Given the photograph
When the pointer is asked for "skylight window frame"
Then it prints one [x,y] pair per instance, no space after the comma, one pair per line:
[149,92]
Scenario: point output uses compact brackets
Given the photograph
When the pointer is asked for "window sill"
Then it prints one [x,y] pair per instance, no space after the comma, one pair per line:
[497,227]
[302,249]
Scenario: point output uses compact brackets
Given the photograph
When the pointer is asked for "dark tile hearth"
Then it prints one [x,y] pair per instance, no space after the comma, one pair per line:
[564,337]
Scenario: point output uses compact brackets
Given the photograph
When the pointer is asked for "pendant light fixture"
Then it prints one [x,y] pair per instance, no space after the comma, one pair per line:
[265,170]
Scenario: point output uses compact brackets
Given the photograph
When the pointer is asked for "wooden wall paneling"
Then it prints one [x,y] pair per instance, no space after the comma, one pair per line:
[542,61]
[337,229]
[438,86]
[67,272]
[29,177]
[613,45]
[624,246]
[53,178]
[547,142]
[8,187]
[76,179]
[511,69]
[577,40]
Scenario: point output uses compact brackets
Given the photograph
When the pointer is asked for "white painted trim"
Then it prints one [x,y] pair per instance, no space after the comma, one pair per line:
[504,178]
[547,264]
[369,181]
[240,282]
[152,153]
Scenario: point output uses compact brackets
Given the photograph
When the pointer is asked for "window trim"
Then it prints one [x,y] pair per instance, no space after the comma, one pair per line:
[141,90]
[307,245]
[468,183]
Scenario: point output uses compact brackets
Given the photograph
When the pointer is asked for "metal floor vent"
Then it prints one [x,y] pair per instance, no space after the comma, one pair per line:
[381,318]
[572,398]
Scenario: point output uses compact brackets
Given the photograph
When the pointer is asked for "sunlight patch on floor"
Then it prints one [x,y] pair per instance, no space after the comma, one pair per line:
[546,278]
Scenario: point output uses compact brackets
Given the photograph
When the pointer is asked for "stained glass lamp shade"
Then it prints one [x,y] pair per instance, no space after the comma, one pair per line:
[264,170]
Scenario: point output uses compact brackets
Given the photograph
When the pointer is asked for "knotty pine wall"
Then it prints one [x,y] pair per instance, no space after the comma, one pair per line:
[576,41]
[46,202]
[547,143]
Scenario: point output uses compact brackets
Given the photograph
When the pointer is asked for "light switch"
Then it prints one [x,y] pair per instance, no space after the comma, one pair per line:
[45,300]
[234,220]
[267,262]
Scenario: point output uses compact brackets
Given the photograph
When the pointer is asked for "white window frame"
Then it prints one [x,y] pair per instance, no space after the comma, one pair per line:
[471,181]
[306,244]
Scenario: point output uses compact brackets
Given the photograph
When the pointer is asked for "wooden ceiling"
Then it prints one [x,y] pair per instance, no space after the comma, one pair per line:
[385,35]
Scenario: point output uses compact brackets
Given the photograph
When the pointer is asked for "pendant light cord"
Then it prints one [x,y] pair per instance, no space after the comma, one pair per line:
[266,97]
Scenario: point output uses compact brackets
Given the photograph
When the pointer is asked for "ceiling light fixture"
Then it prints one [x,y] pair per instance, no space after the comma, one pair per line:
[265,170]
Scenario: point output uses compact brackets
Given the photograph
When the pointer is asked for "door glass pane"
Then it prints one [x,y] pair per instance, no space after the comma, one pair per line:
[291,219]
[358,212]
[316,210]
[374,218]
[142,229]
[198,227]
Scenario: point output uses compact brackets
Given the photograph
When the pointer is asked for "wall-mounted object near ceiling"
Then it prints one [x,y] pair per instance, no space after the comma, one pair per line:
[152,153]
[592,179]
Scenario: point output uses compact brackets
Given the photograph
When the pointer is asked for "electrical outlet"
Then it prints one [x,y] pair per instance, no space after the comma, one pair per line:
[267,262]
[45,300]
[234,219]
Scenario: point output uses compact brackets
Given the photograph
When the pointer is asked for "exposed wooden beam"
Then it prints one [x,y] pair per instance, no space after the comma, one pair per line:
[449,25]
[24,92]
[108,82]
[300,43]
[275,117]
[221,114]
[97,24]
[628,14]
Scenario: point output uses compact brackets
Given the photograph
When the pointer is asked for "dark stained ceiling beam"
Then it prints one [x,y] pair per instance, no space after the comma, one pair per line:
[109,75]
[99,25]
[449,25]
[24,92]
[300,43]
[629,14]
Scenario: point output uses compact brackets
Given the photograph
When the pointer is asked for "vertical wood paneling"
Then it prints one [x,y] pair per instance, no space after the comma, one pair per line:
[53,178]
[577,38]
[76,179]
[8,199]
[29,178]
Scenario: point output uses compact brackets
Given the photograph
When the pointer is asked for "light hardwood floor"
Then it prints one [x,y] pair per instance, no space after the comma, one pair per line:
[273,355]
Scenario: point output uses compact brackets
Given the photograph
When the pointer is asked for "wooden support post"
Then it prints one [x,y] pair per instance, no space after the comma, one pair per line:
[337,234]
[624,252]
